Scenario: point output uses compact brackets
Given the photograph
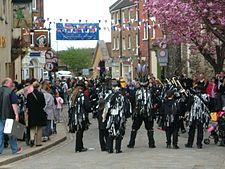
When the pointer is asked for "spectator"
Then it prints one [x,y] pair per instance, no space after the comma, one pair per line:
[211,90]
[9,109]
[36,115]
[59,107]
[50,110]
[222,94]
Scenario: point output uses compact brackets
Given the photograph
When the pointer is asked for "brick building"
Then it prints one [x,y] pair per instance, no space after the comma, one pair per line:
[133,33]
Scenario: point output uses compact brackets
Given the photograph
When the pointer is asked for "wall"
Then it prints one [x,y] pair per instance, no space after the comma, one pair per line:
[5,35]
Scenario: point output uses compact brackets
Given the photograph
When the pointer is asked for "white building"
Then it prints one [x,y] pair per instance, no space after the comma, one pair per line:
[33,65]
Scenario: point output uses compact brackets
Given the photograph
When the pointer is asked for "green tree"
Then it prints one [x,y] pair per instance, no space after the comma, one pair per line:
[77,59]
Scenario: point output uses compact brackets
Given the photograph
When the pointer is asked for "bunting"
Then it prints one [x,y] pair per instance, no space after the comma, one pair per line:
[104,25]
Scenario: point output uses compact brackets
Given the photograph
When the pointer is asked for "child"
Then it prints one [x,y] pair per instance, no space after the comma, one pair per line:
[59,105]
[170,113]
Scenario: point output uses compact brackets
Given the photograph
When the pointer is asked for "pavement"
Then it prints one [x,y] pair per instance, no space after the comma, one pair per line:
[7,157]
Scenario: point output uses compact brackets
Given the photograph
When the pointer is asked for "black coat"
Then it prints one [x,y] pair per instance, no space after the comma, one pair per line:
[36,114]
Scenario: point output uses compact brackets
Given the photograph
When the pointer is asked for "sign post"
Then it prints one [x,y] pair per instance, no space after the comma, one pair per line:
[51,62]
[162,55]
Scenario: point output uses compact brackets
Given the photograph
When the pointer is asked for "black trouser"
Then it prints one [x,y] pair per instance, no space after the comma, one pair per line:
[172,130]
[213,105]
[191,134]
[149,123]
[118,143]
[27,135]
[79,140]
[6,140]
[181,124]
[103,136]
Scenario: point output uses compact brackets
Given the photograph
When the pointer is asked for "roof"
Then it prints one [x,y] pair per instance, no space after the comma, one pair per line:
[120,4]
[104,48]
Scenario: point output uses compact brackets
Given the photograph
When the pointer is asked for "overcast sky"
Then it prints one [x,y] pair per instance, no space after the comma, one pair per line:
[75,10]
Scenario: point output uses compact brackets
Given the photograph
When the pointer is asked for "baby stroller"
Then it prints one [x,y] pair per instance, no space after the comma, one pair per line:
[213,129]
[221,127]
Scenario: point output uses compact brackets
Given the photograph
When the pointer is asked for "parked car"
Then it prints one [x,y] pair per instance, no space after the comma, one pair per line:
[66,74]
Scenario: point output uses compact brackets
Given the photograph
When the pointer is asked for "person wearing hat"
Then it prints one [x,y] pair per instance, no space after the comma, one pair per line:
[80,107]
[116,111]
[198,116]
[170,111]
[143,112]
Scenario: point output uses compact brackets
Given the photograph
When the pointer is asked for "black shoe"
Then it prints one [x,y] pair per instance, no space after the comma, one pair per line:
[82,150]
[118,151]
[110,151]
[188,146]
[6,145]
[221,144]
[152,146]
[199,146]
[31,143]
[130,146]
[183,131]
[175,147]
[168,146]
[38,145]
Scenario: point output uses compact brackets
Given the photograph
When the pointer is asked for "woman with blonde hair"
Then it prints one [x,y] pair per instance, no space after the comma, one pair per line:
[80,107]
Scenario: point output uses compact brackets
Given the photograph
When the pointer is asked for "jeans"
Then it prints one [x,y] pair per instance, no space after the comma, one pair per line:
[47,129]
[12,139]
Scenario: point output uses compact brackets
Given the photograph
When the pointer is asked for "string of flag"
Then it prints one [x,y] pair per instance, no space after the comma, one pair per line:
[114,25]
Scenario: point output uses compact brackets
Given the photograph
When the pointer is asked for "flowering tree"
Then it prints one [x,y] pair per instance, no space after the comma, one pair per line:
[197,22]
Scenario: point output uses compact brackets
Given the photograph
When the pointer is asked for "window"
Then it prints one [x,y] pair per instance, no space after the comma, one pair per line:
[136,14]
[123,17]
[153,19]
[152,32]
[129,42]
[1,11]
[117,18]
[4,10]
[34,4]
[114,43]
[124,44]
[114,18]
[145,31]
[118,43]
[136,43]
[129,14]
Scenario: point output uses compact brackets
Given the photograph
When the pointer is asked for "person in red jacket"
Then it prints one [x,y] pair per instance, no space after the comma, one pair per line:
[212,90]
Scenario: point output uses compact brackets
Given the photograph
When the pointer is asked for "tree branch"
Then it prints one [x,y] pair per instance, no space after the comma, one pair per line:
[219,35]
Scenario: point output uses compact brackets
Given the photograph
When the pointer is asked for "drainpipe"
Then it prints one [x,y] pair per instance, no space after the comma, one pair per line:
[121,46]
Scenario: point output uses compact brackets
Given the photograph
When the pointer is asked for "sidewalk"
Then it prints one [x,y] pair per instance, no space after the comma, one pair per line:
[7,156]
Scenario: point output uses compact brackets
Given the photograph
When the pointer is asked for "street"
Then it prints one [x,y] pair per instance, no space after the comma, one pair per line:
[63,156]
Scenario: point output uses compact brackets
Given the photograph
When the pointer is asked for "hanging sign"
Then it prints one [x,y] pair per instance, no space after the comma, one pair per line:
[77,31]
[41,39]
[162,56]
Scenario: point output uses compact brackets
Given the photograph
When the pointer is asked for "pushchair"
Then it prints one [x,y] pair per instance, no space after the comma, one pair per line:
[212,131]
[221,127]
[217,129]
